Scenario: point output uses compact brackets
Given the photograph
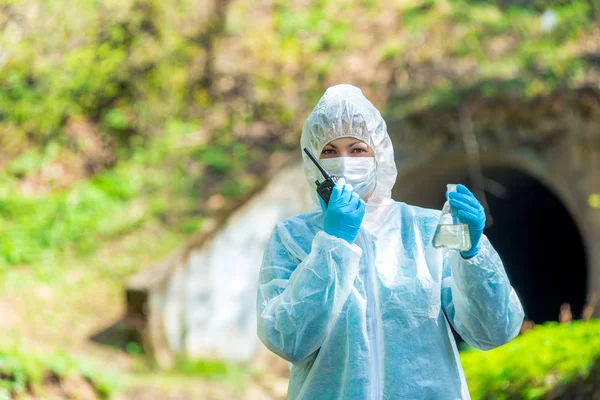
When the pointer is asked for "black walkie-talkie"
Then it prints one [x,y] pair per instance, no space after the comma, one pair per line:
[323,188]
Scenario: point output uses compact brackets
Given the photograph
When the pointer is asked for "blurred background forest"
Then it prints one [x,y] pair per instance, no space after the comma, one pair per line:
[126,124]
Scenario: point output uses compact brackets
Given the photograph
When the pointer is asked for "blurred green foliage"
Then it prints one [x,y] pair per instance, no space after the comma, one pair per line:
[233,374]
[24,371]
[177,101]
[132,66]
[534,363]
[90,211]
[83,69]
[495,47]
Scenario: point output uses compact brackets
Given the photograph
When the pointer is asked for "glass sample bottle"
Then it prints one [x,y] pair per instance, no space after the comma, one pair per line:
[450,233]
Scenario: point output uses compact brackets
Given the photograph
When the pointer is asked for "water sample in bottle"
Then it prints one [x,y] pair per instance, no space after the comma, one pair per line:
[450,233]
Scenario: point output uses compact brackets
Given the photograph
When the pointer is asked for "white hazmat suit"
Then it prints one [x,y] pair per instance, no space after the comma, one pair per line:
[370,320]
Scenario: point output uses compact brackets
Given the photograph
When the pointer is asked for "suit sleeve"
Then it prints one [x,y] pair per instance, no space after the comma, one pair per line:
[298,300]
[478,298]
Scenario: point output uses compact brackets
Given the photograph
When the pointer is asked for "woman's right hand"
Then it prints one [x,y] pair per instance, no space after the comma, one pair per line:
[345,212]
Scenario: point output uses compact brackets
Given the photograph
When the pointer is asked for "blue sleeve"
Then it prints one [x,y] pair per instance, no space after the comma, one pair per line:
[478,298]
[298,300]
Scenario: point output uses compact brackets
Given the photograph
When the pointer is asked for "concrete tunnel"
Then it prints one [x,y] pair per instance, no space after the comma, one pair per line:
[537,238]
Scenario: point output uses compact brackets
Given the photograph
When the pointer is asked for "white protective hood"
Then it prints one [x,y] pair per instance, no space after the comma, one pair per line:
[344,111]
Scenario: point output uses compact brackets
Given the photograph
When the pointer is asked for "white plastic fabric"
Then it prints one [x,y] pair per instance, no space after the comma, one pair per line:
[360,172]
[343,111]
[370,320]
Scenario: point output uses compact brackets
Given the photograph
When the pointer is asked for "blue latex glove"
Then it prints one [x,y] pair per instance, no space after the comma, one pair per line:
[469,211]
[345,212]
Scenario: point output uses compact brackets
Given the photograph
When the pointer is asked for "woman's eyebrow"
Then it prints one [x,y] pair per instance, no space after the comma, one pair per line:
[330,145]
[353,143]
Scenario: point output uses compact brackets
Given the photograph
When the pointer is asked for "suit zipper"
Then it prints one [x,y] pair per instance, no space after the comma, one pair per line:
[375,389]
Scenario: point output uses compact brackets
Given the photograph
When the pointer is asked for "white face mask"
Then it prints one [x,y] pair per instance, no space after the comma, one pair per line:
[360,172]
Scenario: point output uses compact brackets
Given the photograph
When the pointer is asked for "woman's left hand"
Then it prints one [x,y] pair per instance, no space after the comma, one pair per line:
[469,211]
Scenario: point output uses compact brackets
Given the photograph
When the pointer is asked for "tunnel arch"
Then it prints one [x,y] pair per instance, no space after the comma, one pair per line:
[532,227]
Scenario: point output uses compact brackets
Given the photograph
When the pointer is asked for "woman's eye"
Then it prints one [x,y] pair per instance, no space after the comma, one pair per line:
[328,151]
[359,150]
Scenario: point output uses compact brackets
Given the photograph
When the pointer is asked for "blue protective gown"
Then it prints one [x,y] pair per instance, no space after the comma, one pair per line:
[370,320]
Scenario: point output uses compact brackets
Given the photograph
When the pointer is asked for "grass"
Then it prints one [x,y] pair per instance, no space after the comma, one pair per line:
[234,375]
[24,371]
[85,294]
[151,187]
[534,363]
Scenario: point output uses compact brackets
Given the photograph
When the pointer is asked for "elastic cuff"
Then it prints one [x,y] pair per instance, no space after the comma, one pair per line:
[470,254]
[336,238]
[341,235]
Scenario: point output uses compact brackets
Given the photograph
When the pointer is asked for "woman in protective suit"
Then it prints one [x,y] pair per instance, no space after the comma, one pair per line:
[352,293]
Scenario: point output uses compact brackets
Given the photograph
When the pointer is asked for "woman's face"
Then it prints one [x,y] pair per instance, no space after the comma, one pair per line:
[349,147]
[346,147]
